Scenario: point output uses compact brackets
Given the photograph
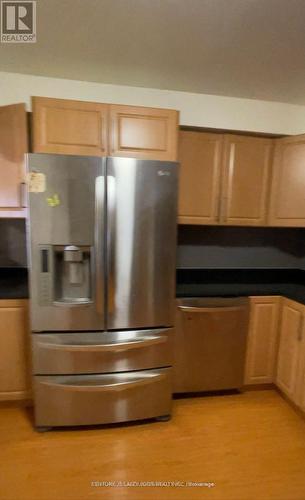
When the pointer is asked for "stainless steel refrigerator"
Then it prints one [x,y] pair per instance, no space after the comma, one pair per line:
[101,239]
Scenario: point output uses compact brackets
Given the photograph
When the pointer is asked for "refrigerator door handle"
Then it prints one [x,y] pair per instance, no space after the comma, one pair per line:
[98,243]
[111,220]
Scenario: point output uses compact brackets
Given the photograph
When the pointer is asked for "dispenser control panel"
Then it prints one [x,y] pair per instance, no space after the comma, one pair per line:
[46,273]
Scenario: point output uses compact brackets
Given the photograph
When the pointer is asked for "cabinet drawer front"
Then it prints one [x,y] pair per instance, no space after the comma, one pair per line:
[98,352]
[101,399]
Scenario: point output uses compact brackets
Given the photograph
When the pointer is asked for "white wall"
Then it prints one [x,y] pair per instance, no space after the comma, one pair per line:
[198,110]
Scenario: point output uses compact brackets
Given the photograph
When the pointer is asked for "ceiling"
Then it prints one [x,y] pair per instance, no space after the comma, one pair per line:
[241,48]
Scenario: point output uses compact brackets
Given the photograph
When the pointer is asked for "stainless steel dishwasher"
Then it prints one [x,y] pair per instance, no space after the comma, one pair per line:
[210,343]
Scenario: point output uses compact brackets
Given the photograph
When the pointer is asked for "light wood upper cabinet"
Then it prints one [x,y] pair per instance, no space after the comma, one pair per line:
[13,146]
[69,127]
[146,133]
[200,172]
[246,170]
[90,128]
[288,184]
[224,179]
[262,340]
[14,350]
[289,347]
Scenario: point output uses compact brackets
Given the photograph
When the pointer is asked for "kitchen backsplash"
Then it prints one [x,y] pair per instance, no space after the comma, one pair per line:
[198,246]
[12,243]
[240,247]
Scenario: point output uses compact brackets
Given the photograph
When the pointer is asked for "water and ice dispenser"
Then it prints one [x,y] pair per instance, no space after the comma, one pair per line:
[65,274]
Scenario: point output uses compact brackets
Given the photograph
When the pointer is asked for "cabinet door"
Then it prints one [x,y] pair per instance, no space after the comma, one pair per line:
[247,167]
[288,183]
[199,187]
[146,133]
[262,340]
[13,146]
[69,127]
[14,350]
[300,390]
[289,347]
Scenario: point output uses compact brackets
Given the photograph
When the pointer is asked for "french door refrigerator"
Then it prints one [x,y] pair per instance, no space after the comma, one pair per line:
[101,240]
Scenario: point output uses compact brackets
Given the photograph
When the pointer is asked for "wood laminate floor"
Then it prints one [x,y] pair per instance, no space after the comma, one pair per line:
[252,446]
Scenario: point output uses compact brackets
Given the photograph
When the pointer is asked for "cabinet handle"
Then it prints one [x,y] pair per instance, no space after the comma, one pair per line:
[23,203]
[300,331]
[98,244]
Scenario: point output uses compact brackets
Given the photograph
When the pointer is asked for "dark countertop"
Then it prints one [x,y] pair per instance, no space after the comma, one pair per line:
[241,282]
[13,283]
[195,283]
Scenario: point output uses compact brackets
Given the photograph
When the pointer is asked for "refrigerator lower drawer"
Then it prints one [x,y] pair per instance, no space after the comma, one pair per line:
[101,399]
[101,352]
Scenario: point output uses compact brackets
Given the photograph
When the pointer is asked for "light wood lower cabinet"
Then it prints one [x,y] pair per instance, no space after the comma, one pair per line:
[291,360]
[14,350]
[276,346]
[262,340]
[300,386]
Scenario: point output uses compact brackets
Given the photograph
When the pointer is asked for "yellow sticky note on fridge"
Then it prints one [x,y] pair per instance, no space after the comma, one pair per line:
[53,201]
[36,182]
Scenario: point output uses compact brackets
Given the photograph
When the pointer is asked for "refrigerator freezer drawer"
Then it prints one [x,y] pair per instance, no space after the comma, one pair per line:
[101,399]
[101,352]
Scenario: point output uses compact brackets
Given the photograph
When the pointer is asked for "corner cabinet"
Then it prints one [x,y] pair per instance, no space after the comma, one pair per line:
[96,129]
[13,146]
[262,339]
[246,177]
[14,350]
[287,206]
[291,356]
